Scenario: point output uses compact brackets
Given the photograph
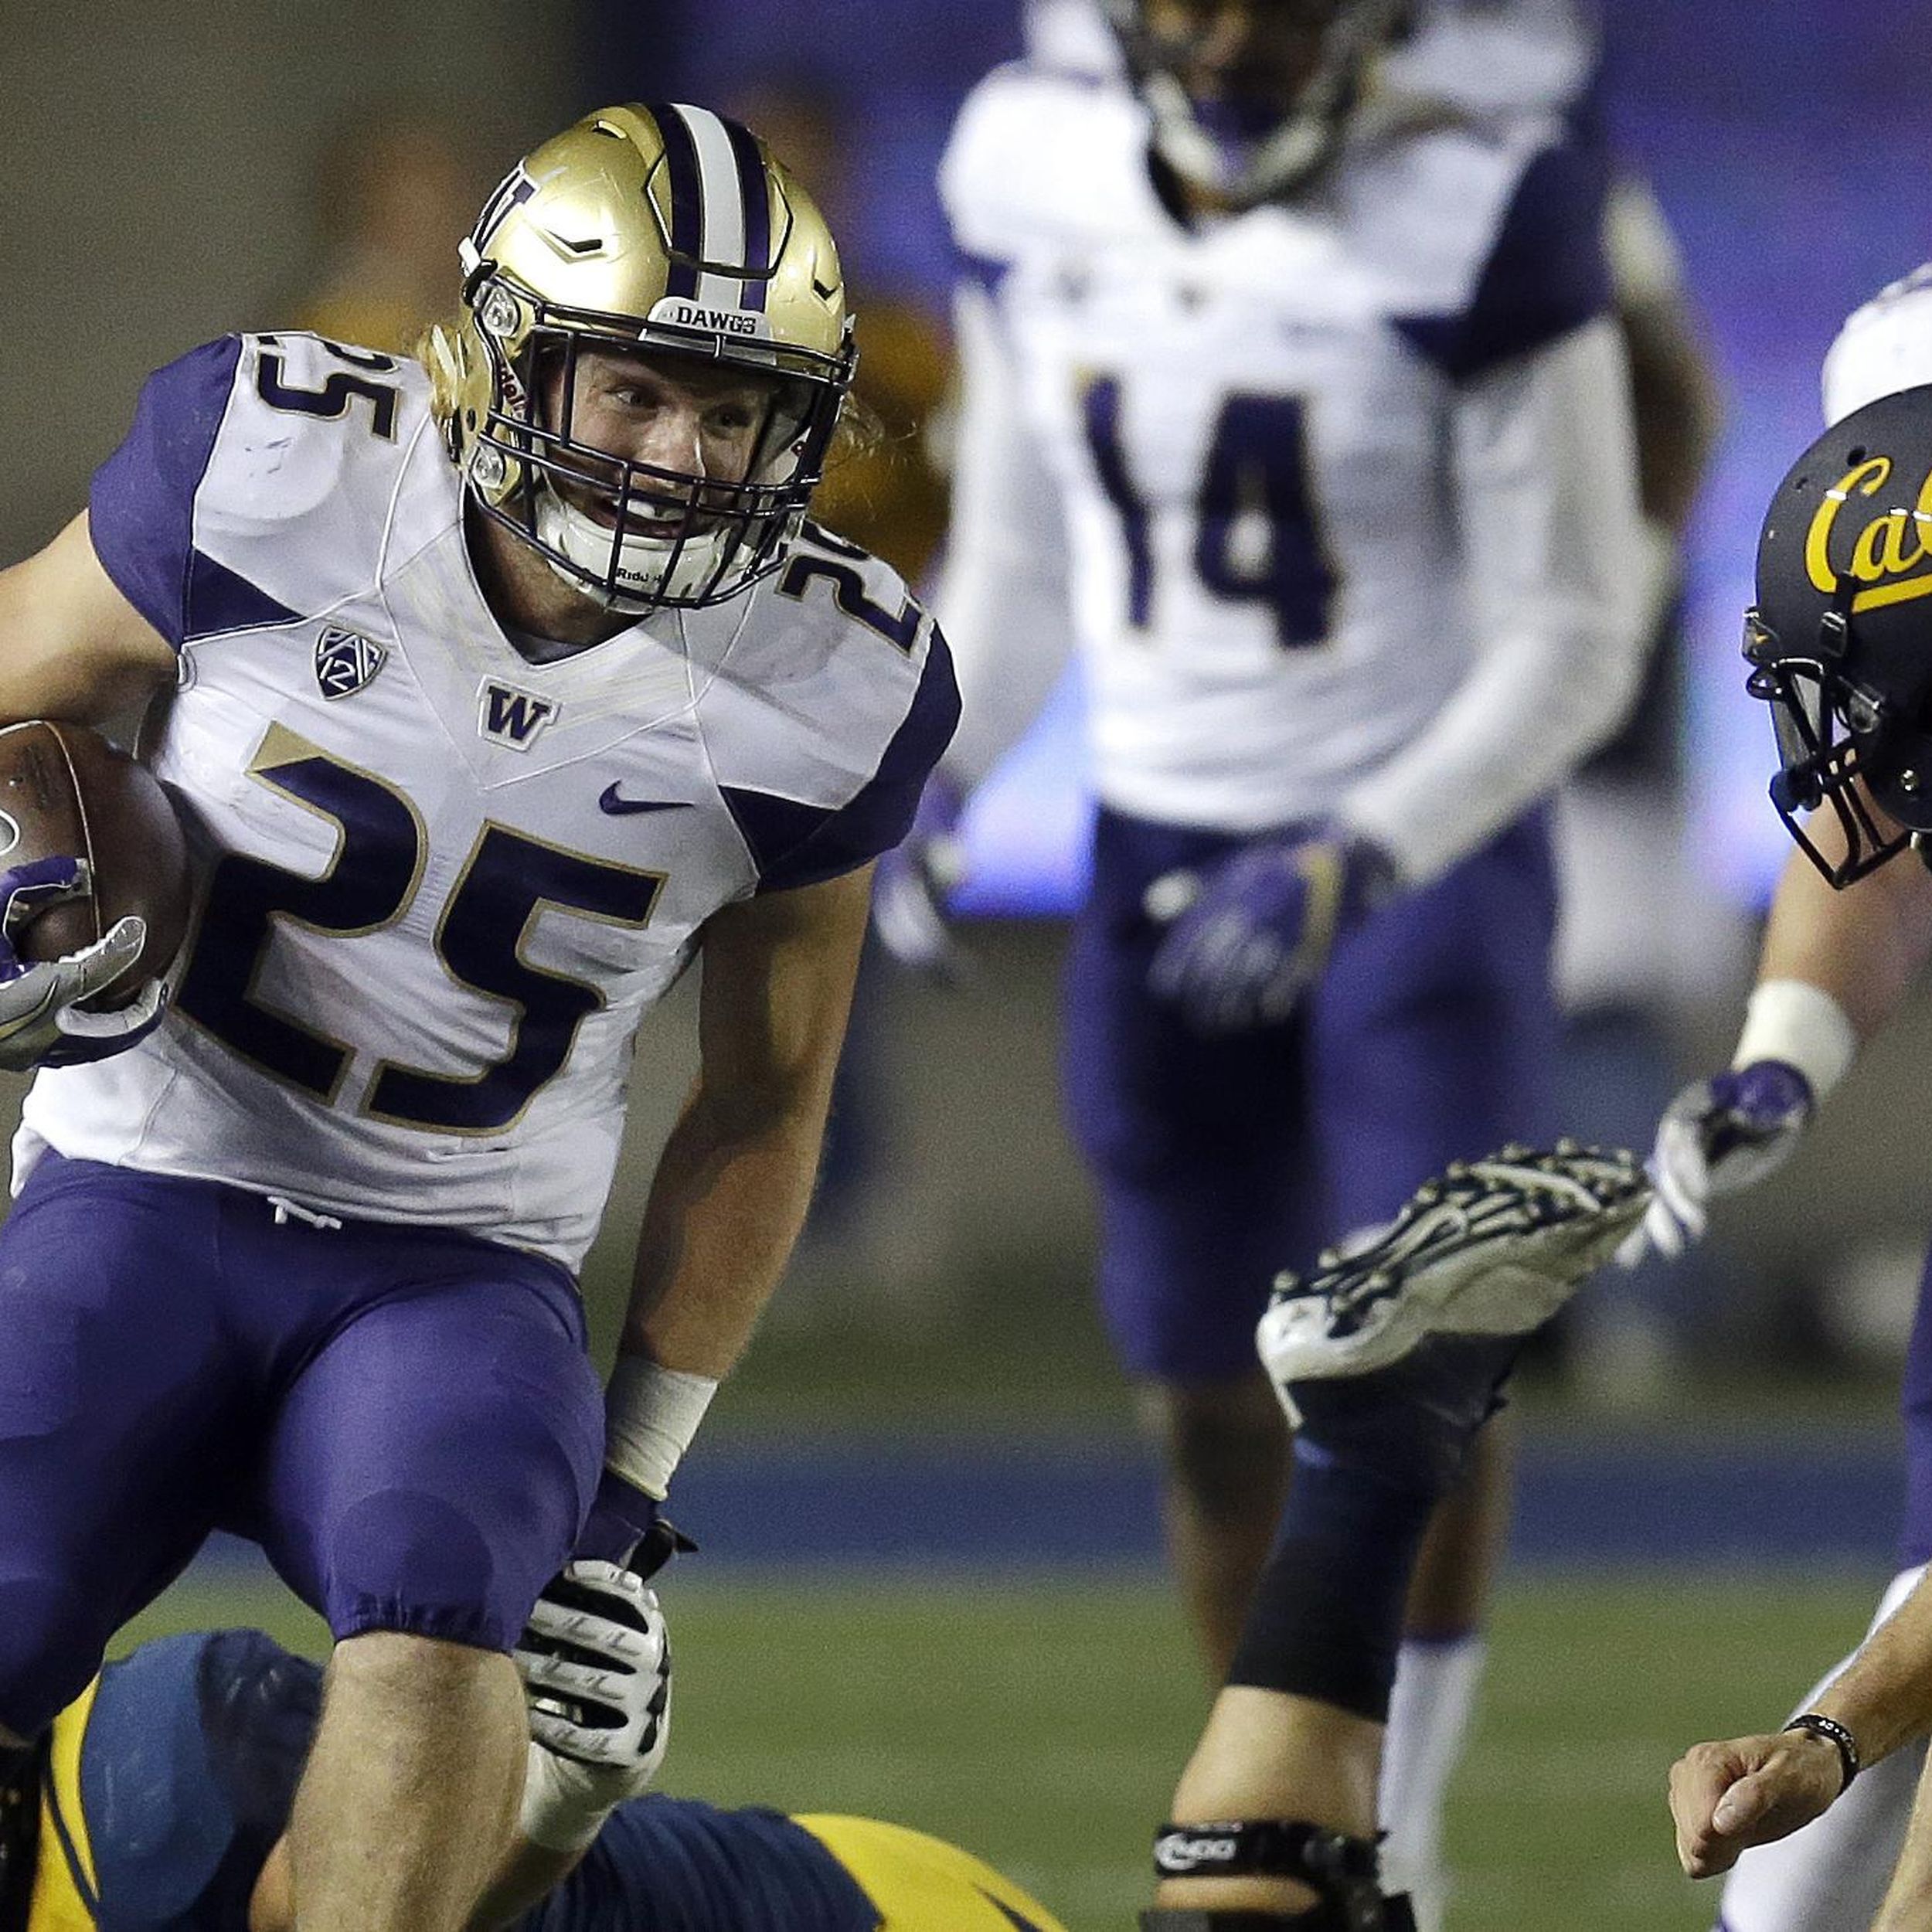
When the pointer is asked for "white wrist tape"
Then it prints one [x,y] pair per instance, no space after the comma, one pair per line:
[1793,1021]
[650,1415]
[565,1804]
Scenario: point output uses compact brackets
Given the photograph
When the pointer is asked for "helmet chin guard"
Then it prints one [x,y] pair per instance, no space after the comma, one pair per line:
[624,570]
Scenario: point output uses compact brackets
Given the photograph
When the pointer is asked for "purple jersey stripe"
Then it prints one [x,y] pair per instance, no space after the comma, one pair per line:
[141,506]
[1547,275]
[751,189]
[793,845]
[687,201]
[219,600]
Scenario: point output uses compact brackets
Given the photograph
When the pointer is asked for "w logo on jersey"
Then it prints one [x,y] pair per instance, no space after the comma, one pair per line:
[508,716]
[345,661]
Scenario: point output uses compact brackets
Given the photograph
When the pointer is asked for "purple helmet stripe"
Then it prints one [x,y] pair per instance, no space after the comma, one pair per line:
[687,201]
[757,205]
[515,188]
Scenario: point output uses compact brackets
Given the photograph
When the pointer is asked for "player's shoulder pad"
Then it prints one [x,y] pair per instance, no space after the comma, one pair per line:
[258,482]
[1038,153]
[1885,346]
[1490,233]
[833,704]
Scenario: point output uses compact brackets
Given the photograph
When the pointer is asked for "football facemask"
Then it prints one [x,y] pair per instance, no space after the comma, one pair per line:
[667,236]
[1839,641]
[1254,124]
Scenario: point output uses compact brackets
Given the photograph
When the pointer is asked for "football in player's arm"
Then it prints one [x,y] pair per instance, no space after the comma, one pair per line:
[493,694]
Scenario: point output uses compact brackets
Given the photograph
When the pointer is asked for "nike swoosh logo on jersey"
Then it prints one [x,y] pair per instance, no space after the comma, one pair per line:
[616,804]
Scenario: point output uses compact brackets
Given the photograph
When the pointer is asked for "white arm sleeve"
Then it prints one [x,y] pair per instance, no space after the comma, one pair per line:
[1547,487]
[1002,600]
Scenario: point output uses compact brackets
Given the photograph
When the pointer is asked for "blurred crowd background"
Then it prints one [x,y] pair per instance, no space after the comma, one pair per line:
[177,170]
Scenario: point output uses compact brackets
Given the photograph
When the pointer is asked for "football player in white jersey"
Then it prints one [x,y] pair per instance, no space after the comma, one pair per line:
[1294,395]
[492,694]
[1835,966]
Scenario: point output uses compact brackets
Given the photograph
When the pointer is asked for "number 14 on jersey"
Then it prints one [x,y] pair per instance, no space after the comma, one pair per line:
[1256,537]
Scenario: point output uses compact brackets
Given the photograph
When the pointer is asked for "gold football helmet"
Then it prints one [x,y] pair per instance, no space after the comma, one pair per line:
[668,232]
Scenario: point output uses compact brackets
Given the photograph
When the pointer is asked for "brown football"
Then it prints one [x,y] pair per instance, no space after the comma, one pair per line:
[66,791]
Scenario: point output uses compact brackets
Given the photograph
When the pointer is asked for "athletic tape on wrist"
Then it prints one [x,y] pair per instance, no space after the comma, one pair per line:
[650,1415]
[1802,1025]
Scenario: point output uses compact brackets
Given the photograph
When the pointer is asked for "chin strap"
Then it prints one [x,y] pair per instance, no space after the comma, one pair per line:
[1341,1870]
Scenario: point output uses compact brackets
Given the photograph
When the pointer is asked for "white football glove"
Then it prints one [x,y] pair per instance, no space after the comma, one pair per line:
[595,1665]
[37,1001]
[1718,1136]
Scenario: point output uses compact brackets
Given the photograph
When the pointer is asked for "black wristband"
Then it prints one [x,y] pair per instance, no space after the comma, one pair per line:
[1830,1728]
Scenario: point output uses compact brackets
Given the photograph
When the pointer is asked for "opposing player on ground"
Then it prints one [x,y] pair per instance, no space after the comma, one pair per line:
[1835,964]
[162,1794]
[1296,399]
[1388,1362]
[493,693]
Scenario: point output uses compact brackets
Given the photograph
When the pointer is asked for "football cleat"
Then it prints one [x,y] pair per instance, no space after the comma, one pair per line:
[1490,1248]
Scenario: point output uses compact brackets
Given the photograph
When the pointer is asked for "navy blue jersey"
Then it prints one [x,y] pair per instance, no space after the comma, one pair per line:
[172,1779]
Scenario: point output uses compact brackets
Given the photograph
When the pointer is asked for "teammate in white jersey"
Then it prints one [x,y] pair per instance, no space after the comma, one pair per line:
[492,695]
[1835,966]
[1294,397]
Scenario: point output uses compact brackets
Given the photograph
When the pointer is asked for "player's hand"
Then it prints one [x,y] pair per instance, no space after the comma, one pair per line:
[1726,1798]
[911,882]
[37,1021]
[1250,935]
[1718,1136]
[595,1665]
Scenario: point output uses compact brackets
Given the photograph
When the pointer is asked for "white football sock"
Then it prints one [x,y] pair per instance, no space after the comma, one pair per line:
[1429,1712]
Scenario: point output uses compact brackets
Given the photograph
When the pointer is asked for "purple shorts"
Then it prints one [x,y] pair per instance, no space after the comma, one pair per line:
[1432,1037]
[404,1418]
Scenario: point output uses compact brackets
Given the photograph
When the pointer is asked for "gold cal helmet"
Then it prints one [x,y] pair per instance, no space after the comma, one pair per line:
[657,229]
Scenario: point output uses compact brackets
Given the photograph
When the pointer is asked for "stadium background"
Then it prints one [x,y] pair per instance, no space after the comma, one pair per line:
[930,1585]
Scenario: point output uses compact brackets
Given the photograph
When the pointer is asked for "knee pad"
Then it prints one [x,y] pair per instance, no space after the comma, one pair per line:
[406,1560]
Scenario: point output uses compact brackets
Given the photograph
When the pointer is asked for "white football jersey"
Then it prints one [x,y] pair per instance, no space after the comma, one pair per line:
[440,884]
[1251,426]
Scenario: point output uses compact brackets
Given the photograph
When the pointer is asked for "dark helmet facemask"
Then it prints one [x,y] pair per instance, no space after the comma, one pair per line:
[1819,767]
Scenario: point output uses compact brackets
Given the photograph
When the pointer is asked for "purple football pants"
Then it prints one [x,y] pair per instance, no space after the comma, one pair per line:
[405,1419]
[1431,1037]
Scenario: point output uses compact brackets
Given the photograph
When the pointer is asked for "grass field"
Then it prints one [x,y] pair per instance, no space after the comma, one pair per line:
[1041,1722]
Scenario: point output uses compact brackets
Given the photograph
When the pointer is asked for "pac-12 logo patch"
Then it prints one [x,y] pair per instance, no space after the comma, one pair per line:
[345,661]
[508,716]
